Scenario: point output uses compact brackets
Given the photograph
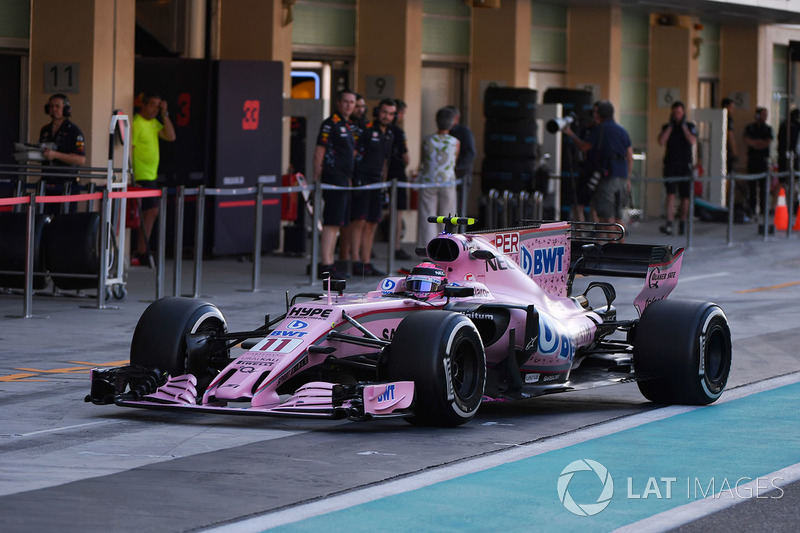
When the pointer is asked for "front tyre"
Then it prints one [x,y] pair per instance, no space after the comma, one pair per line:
[159,340]
[442,353]
[684,347]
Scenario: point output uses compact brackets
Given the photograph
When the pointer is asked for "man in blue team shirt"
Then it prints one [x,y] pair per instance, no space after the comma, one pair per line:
[373,148]
[333,164]
[610,153]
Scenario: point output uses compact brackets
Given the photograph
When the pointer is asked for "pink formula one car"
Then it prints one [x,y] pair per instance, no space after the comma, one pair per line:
[486,317]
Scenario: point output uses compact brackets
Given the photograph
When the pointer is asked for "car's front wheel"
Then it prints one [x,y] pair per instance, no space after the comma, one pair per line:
[442,353]
[683,352]
[159,340]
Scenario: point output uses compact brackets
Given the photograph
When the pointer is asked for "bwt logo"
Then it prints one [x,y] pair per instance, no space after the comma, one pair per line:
[543,260]
[508,243]
[388,394]
[585,509]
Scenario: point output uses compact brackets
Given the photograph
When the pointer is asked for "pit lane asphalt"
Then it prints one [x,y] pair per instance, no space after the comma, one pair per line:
[73,466]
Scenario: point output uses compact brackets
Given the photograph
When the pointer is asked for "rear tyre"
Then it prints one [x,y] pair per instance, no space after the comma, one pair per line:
[685,348]
[159,340]
[442,353]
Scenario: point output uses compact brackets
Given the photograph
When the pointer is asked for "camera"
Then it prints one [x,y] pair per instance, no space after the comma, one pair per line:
[594,179]
[558,124]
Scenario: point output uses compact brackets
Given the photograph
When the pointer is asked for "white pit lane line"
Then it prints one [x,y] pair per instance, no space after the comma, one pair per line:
[666,520]
[690,279]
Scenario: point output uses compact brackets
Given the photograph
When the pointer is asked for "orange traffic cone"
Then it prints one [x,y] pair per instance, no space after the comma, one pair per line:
[781,212]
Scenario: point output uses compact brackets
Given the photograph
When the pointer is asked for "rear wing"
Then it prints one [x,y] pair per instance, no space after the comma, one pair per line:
[552,253]
[616,259]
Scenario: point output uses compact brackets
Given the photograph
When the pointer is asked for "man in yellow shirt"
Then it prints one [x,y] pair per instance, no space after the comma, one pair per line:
[147,130]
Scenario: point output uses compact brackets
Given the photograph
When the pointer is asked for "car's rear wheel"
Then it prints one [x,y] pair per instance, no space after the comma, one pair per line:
[683,352]
[442,353]
[159,340]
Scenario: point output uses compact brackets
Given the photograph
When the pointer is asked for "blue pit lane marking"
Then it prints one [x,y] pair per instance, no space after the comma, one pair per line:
[658,466]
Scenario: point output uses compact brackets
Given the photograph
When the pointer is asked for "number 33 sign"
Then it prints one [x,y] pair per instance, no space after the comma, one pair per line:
[250,114]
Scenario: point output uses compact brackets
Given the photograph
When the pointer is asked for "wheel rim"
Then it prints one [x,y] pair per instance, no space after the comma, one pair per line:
[717,355]
[212,325]
[464,368]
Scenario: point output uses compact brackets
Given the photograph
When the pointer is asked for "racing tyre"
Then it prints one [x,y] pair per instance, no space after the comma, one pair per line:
[159,340]
[442,353]
[686,347]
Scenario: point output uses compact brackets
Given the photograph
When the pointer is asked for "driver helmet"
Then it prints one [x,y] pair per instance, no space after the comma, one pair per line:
[426,280]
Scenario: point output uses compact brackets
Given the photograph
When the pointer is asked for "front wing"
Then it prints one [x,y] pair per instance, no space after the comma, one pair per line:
[131,387]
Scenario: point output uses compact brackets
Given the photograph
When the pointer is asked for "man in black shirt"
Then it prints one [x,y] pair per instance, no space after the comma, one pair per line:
[467,152]
[333,164]
[68,139]
[63,142]
[398,162]
[757,138]
[679,136]
[373,149]
[785,147]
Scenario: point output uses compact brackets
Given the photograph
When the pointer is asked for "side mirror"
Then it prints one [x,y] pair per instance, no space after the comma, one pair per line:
[455,291]
[590,250]
[337,285]
[482,254]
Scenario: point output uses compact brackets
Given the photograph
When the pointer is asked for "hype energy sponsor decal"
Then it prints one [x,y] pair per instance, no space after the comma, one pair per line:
[317,313]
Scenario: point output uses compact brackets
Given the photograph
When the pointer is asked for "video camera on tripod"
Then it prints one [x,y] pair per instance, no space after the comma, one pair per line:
[558,124]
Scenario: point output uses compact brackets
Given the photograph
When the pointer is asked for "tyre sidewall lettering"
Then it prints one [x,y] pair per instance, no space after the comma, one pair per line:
[711,390]
[458,406]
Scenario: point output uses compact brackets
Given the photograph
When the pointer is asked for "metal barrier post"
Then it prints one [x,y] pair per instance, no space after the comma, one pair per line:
[18,188]
[506,206]
[524,199]
[490,208]
[690,216]
[464,192]
[766,205]
[790,199]
[90,189]
[179,205]
[29,245]
[162,244]
[257,237]
[198,240]
[392,226]
[105,228]
[731,194]
[538,202]
[315,231]
[40,191]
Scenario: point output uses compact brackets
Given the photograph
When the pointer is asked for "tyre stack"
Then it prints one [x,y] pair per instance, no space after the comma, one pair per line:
[510,140]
